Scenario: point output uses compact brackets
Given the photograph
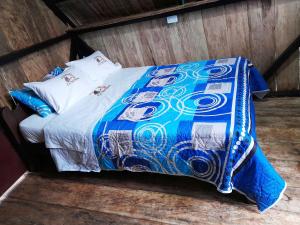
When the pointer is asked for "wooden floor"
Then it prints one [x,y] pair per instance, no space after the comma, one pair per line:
[127,198]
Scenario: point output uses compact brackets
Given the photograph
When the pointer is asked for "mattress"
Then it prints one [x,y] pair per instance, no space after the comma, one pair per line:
[32,128]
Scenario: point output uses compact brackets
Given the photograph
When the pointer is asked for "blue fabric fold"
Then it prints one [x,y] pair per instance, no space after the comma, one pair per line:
[258,180]
[31,100]
[258,85]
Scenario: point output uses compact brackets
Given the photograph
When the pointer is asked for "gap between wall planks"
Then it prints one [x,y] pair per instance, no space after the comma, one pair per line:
[257,29]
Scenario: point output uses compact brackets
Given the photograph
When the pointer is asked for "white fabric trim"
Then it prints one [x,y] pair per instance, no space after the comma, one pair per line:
[231,125]
[278,199]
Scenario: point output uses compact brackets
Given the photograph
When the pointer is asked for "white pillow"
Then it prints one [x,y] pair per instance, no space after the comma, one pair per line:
[65,90]
[97,66]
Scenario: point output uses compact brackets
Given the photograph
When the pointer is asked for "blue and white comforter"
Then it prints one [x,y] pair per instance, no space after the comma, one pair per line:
[195,119]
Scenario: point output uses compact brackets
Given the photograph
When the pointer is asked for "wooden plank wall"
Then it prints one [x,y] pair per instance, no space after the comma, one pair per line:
[257,29]
[22,24]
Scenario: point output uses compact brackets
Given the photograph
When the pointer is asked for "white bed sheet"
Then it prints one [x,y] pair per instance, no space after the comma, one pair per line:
[69,135]
[32,128]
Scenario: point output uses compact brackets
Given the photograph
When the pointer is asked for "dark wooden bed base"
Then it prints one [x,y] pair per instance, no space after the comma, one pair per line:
[35,156]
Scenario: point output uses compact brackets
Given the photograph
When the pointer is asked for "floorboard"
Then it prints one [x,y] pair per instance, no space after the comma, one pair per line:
[29,212]
[138,198]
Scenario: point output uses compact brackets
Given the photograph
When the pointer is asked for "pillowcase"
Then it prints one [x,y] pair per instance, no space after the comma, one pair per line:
[53,73]
[31,100]
[65,90]
[97,66]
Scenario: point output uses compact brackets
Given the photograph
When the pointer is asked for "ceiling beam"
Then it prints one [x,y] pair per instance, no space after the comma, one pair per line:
[188,7]
[65,19]
[4,59]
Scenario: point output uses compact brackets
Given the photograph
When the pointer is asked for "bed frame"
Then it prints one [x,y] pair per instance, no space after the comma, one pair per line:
[36,157]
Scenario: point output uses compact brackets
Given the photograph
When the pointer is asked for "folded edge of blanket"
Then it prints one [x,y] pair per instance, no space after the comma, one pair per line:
[259,182]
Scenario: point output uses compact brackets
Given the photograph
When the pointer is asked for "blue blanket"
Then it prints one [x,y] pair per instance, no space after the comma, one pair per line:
[195,119]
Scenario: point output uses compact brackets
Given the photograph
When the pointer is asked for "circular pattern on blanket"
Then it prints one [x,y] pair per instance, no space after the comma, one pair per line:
[135,160]
[128,99]
[171,92]
[202,167]
[197,103]
[144,163]
[150,137]
[216,72]
[205,165]
[200,72]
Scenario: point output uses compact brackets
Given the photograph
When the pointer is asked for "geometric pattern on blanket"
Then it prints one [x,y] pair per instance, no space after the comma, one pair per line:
[193,119]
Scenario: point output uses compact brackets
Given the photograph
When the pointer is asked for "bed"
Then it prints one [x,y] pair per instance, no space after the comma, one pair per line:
[193,119]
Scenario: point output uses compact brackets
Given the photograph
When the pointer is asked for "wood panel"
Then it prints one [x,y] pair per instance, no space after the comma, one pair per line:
[238,29]
[11,75]
[191,27]
[287,28]
[22,24]
[214,22]
[26,22]
[153,42]
[257,29]
[261,17]
[26,211]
